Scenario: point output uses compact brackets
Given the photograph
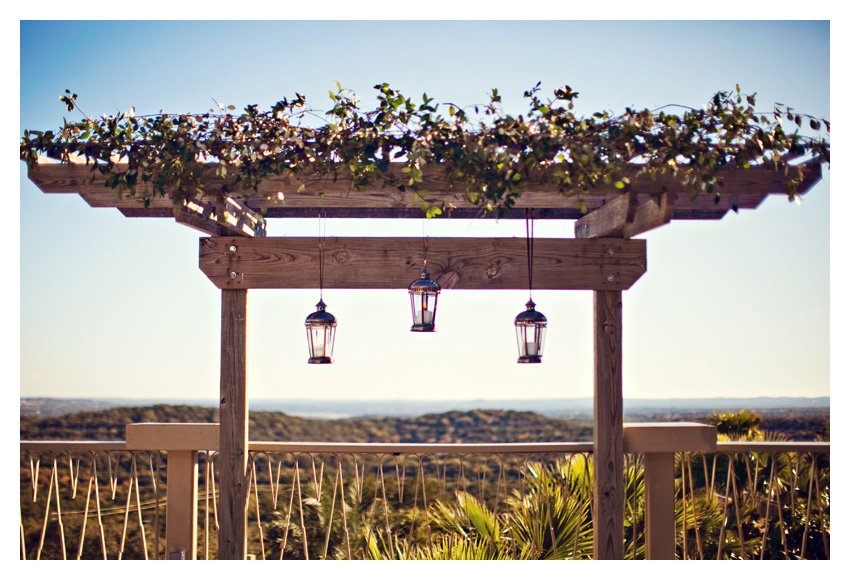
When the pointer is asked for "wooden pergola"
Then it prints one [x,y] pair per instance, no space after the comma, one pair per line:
[237,256]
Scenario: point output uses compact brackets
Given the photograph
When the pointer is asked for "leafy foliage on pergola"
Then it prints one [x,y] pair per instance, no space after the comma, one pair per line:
[491,156]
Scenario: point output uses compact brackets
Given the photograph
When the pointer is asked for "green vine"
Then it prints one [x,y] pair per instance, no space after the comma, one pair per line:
[491,156]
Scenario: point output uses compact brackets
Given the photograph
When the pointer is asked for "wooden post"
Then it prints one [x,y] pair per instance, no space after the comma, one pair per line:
[181,441]
[659,442]
[608,488]
[181,514]
[233,442]
[660,489]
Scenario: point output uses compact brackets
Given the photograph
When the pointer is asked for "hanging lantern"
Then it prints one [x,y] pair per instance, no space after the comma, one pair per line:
[423,302]
[321,327]
[530,333]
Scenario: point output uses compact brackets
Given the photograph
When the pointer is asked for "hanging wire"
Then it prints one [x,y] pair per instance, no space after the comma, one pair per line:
[425,245]
[529,244]
[322,253]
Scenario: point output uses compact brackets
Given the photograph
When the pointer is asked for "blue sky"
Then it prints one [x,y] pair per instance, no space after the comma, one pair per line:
[117,307]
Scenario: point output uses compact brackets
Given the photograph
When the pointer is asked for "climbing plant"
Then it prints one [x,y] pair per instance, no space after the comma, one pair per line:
[489,154]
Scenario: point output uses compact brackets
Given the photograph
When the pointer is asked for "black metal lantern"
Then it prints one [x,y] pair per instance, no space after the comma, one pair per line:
[423,302]
[530,334]
[321,328]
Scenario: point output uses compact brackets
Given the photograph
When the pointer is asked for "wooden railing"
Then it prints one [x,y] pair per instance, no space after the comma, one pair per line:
[155,497]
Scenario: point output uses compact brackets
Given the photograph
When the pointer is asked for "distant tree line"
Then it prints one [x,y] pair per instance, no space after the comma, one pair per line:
[477,426]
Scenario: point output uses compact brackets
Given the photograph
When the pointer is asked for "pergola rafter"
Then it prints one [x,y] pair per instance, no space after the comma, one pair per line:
[298,196]
[236,259]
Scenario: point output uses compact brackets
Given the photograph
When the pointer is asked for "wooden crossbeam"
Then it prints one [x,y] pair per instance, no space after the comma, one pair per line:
[461,263]
[625,217]
[744,188]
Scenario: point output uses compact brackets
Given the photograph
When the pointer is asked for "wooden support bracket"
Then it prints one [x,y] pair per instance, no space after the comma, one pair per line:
[227,218]
[625,218]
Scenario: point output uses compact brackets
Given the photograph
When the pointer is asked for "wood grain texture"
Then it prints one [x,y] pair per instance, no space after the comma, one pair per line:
[625,218]
[744,188]
[608,488]
[416,213]
[233,430]
[460,263]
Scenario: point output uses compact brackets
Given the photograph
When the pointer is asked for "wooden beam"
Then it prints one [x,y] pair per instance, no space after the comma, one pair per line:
[416,213]
[608,488]
[625,218]
[461,263]
[744,188]
[230,218]
[233,430]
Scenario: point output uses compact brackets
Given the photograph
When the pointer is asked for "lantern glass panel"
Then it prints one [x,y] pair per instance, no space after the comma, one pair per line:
[424,306]
[321,341]
[529,340]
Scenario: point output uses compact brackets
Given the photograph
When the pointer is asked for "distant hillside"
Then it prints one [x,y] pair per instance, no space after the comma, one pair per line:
[475,426]
[453,427]
[565,408]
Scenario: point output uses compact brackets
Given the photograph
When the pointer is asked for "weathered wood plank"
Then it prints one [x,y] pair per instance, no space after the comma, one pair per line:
[233,430]
[462,263]
[745,189]
[625,218]
[416,213]
[608,489]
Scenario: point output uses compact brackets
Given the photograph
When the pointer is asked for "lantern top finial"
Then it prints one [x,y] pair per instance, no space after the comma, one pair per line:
[424,283]
[530,315]
[320,316]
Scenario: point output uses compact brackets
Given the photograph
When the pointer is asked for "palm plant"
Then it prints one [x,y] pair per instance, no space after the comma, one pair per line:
[549,522]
